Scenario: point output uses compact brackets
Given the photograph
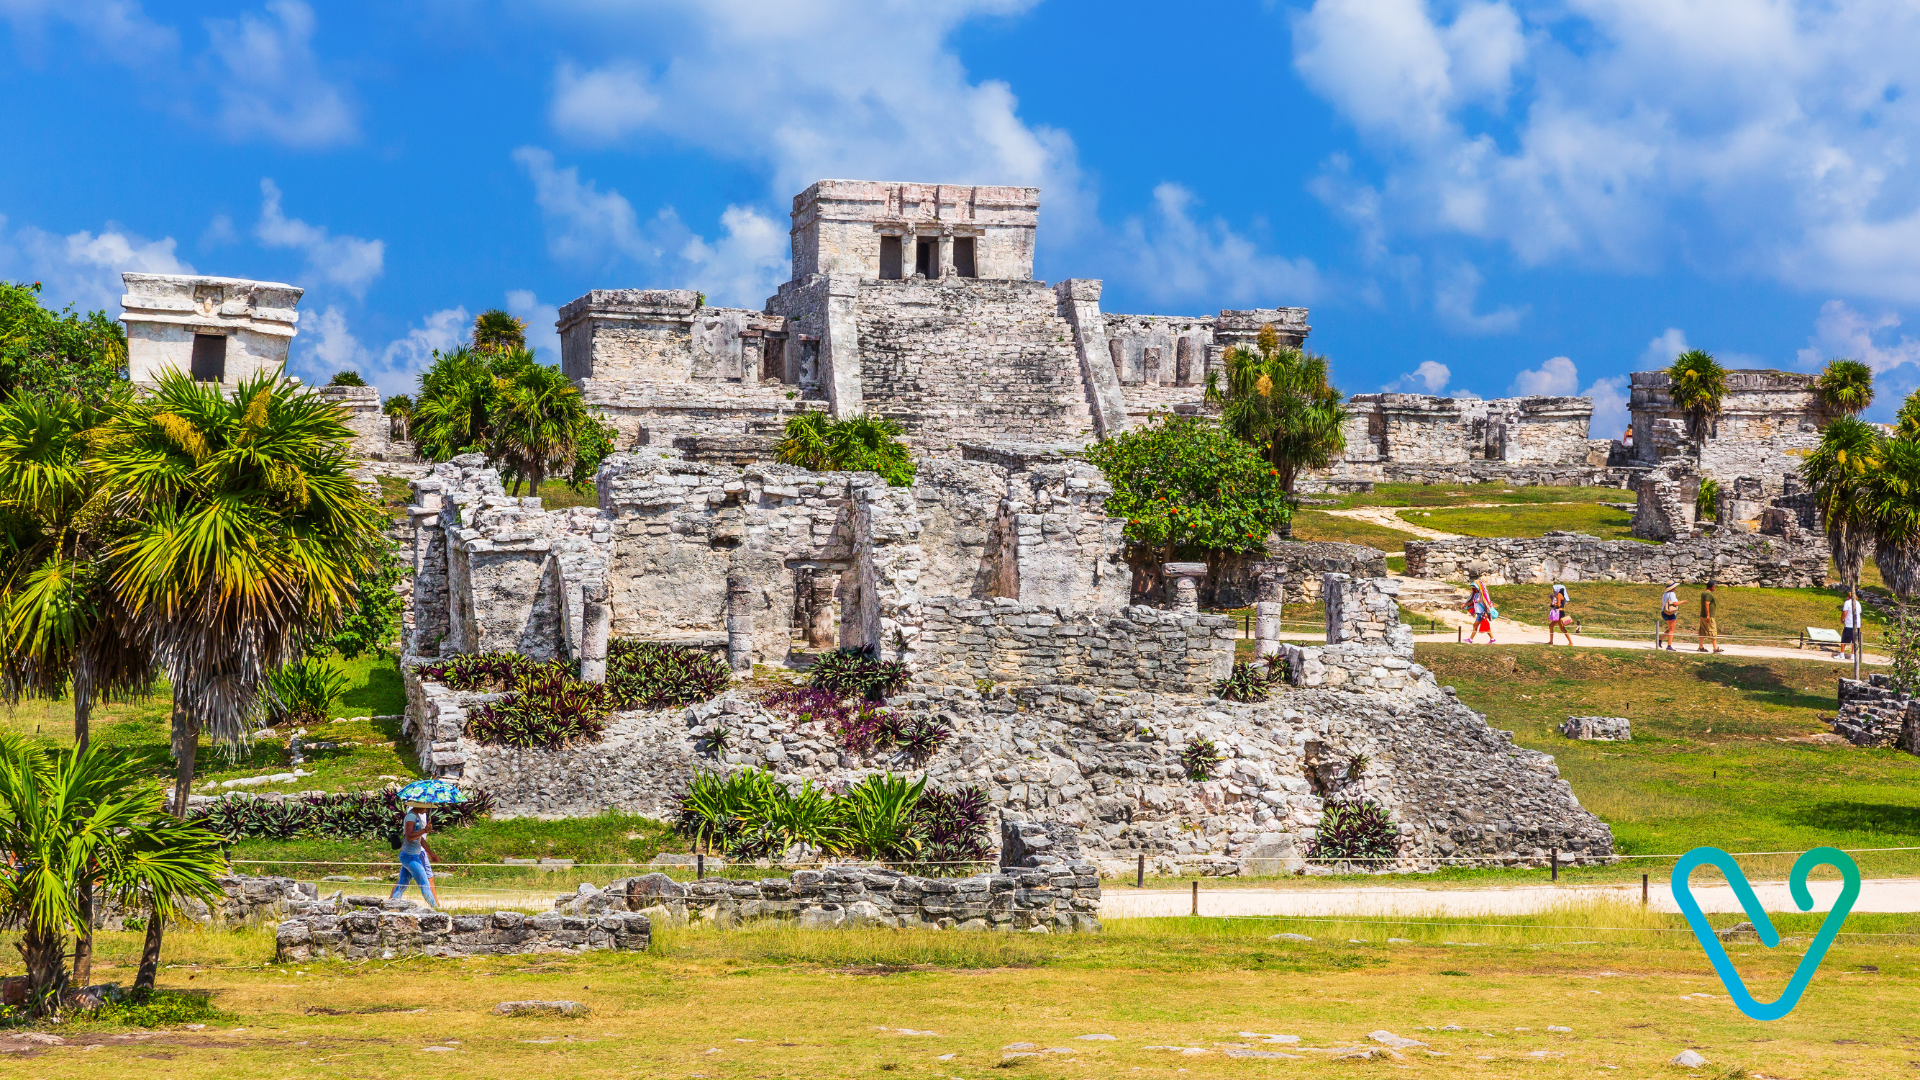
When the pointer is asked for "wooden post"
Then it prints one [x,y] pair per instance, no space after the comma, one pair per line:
[1553,860]
[1643,890]
[1196,898]
[700,864]
[1140,873]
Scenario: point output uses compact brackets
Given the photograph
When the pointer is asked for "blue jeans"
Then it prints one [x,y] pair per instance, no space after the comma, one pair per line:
[413,866]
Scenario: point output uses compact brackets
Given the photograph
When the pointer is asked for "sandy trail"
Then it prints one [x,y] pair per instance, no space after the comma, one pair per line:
[1386,517]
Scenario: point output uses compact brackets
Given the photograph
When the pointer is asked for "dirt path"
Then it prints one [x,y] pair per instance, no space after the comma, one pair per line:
[1119,901]
[1386,517]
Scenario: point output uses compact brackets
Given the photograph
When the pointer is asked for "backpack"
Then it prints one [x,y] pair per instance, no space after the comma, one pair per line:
[395,837]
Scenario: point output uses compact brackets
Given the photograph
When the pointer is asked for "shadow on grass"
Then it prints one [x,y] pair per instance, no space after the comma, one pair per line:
[383,694]
[1762,682]
[1860,817]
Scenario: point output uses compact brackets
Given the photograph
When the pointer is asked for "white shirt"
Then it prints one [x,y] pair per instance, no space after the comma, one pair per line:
[1670,599]
[1850,614]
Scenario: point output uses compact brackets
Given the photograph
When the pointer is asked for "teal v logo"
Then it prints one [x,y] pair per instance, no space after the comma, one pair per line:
[1722,966]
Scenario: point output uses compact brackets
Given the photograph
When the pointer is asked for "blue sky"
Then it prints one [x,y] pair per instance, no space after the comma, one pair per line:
[1471,197]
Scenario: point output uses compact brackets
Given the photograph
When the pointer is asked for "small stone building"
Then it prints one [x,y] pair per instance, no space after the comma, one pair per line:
[217,329]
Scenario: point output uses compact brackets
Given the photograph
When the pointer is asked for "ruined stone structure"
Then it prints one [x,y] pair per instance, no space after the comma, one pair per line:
[372,432]
[373,928]
[1767,422]
[245,901]
[1874,712]
[1795,559]
[914,302]
[1421,439]
[217,329]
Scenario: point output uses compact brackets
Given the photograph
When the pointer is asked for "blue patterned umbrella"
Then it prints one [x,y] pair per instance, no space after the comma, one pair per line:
[431,791]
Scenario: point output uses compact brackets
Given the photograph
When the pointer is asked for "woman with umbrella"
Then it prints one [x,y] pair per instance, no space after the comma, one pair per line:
[416,858]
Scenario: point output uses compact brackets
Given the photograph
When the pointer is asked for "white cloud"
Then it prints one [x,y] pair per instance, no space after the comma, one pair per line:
[598,228]
[542,335]
[1610,415]
[269,81]
[1769,138]
[1840,331]
[347,261]
[326,344]
[1662,350]
[1555,378]
[118,28]
[603,105]
[401,362]
[1454,295]
[1173,258]
[83,268]
[1430,377]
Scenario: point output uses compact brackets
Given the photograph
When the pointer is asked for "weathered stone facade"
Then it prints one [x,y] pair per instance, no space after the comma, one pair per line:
[1797,561]
[1598,728]
[372,431]
[245,901]
[373,928]
[1418,438]
[217,329]
[1766,423]
[915,302]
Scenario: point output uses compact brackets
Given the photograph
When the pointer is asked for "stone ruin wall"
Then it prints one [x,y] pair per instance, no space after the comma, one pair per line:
[1081,719]
[1418,438]
[1796,560]
[1768,422]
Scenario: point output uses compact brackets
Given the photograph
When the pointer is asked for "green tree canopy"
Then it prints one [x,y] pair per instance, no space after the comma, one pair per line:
[1841,472]
[346,378]
[1846,386]
[1188,488]
[814,440]
[57,352]
[495,329]
[502,402]
[1698,384]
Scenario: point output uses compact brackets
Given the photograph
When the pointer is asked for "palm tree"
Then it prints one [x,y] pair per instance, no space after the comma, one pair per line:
[453,414]
[537,420]
[1841,471]
[1698,384]
[1279,400]
[495,329]
[246,537]
[1893,504]
[1846,386]
[62,628]
[859,443]
[69,818]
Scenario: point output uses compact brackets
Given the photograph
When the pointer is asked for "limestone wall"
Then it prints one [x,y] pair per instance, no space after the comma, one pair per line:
[963,642]
[370,928]
[372,431]
[245,900]
[1873,712]
[1739,559]
[838,226]
[1059,899]
[1418,438]
[1767,423]
[165,313]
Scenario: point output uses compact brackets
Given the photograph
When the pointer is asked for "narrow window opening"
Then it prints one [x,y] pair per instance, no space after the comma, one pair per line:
[209,357]
[963,256]
[1183,362]
[1113,350]
[890,258]
[773,366]
[926,255]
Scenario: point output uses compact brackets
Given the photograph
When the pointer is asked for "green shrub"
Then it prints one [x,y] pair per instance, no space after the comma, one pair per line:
[545,713]
[814,440]
[1352,830]
[354,815]
[858,671]
[305,692]
[346,378]
[750,814]
[159,1009]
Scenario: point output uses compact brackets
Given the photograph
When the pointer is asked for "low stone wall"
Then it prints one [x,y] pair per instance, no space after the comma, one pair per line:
[370,928]
[247,901]
[1874,713]
[1305,563]
[1739,559]
[1344,476]
[1061,898]
[1002,641]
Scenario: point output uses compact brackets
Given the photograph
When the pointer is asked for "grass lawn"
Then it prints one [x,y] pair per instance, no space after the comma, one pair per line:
[1775,615]
[1706,764]
[369,750]
[1604,522]
[779,1002]
[1320,525]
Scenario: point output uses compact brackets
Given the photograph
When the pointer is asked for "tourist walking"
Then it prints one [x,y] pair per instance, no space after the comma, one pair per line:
[1480,605]
[415,856]
[1669,614]
[1557,613]
[1707,634]
[1850,625]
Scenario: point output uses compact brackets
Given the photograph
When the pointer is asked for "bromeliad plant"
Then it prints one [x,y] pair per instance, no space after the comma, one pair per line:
[305,692]
[1200,758]
[860,726]
[361,815]
[546,706]
[858,671]
[652,675]
[1354,830]
[1252,682]
[545,713]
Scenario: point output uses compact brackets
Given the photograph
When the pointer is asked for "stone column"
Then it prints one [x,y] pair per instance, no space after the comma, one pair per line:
[824,587]
[1270,579]
[596,628]
[1183,586]
[1078,301]
[840,347]
[739,621]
